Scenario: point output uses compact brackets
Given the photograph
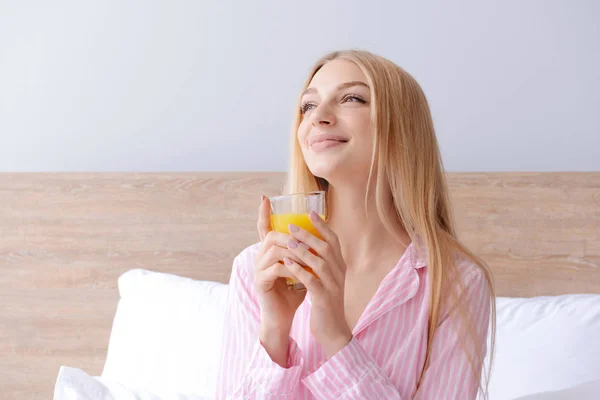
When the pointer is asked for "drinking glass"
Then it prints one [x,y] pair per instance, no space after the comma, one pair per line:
[294,209]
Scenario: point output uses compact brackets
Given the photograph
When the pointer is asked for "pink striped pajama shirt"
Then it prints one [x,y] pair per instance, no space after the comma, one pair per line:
[383,360]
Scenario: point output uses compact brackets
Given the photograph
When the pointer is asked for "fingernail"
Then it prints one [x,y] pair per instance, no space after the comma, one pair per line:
[293,228]
[287,261]
[262,198]
[292,244]
[304,245]
[313,216]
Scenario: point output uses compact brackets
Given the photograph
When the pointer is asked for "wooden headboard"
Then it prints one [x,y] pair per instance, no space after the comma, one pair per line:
[67,237]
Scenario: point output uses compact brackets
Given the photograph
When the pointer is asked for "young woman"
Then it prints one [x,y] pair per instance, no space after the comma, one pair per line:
[399,307]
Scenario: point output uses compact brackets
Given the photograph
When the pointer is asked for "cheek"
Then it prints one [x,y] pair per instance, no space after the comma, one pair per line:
[357,120]
[301,134]
[363,132]
[363,129]
[364,121]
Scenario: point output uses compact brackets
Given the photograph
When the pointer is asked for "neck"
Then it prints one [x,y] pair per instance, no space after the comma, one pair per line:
[363,237]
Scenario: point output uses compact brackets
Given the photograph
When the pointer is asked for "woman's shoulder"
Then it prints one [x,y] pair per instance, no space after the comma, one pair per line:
[467,267]
[473,277]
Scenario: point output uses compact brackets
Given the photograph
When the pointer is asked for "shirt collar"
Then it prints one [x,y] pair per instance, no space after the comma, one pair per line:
[418,252]
[399,286]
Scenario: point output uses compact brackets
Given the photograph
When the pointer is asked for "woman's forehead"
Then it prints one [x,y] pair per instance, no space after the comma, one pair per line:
[335,73]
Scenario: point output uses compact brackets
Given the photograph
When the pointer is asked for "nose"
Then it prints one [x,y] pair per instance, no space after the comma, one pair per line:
[323,115]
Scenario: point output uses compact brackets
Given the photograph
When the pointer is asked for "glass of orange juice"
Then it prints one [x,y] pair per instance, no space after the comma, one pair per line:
[294,209]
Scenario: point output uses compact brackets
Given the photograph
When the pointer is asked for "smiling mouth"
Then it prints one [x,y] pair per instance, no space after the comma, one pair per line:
[327,144]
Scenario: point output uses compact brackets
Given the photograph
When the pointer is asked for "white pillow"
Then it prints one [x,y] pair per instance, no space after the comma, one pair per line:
[545,343]
[167,333]
[75,384]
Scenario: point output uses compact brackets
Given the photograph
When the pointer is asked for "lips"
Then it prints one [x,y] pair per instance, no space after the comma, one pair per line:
[326,144]
[326,137]
[325,141]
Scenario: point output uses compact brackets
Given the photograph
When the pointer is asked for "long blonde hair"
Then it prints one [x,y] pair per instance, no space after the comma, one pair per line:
[408,160]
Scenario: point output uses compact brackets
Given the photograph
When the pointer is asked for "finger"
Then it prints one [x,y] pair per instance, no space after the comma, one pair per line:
[274,255]
[314,262]
[275,271]
[311,282]
[264,218]
[273,238]
[324,230]
[264,280]
[328,272]
[302,235]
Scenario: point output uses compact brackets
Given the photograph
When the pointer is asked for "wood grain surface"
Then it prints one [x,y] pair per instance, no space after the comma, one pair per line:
[67,237]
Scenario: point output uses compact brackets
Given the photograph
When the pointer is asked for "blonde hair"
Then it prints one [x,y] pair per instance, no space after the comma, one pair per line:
[406,152]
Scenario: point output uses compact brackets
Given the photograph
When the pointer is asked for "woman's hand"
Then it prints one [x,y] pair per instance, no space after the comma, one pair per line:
[328,321]
[278,305]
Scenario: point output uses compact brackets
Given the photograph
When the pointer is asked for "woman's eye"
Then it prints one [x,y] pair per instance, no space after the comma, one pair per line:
[353,98]
[349,98]
[306,107]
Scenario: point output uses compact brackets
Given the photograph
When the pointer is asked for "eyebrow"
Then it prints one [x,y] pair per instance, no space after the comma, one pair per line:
[339,87]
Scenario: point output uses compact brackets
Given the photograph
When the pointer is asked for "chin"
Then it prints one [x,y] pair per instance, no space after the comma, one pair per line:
[340,172]
[322,171]
[328,169]
[332,165]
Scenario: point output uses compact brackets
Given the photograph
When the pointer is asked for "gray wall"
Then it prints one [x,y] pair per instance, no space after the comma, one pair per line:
[211,85]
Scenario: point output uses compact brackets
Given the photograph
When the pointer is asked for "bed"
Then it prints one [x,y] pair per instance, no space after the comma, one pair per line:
[68,237]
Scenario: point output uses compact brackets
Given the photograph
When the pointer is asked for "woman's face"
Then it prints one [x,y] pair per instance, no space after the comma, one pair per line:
[336,132]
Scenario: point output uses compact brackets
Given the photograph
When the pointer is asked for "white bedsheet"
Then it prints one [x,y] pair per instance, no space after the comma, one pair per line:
[585,391]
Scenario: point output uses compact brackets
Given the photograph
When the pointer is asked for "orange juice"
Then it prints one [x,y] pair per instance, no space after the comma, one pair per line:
[280,223]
